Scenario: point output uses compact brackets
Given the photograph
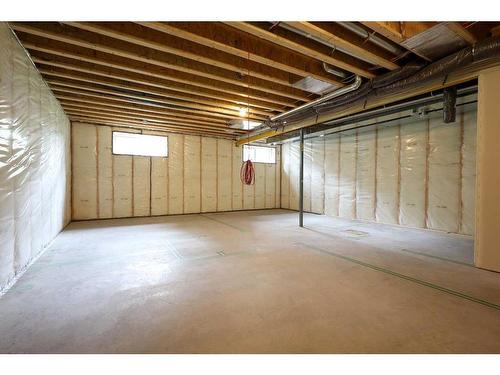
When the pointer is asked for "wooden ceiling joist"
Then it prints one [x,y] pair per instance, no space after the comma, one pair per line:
[145,80]
[356,50]
[51,53]
[181,106]
[112,83]
[222,38]
[137,34]
[134,125]
[137,100]
[294,46]
[133,113]
[97,114]
[92,41]
[129,105]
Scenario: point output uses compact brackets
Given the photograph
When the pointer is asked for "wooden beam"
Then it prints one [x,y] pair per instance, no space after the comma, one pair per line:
[124,104]
[453,79]
[355,50]
[465,34]
[131,125]
[134,112]
[180,106]
[124,76]
[180,125]
[145,37]
[149,56]
[138,100]
[276,39]
[390,30]
[145,90]
[220,37]
[51,54]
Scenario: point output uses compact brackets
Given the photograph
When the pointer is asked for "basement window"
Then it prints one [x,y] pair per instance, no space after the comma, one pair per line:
[139,144]
[259,154]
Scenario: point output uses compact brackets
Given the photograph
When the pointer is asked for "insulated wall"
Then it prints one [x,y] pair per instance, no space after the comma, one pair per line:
[34,161]
[415,172]
[200,174]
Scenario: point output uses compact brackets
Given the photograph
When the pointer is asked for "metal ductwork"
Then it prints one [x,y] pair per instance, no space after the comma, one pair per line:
[342,91]
[358,30]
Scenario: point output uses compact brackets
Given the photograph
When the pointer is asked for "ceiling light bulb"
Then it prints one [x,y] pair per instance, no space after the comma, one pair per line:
[243,111]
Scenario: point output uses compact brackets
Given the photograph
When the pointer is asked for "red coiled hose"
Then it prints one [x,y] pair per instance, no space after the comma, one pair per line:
[247,173]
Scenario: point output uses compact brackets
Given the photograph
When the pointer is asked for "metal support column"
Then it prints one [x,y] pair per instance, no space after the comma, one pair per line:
[301,184]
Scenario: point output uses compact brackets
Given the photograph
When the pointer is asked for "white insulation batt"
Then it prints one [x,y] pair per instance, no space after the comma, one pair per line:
[411,172]
[34,161]
[200,174]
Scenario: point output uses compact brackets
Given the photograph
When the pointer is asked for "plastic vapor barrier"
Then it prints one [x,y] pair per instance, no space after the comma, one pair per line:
[200,174]
[285,176]
[175,183]
[332,165]
[407,170]
[347,175]
[413,177]
[365,174]
[468,172]
[224,174]
[34,161]
[387,174]
[444,176]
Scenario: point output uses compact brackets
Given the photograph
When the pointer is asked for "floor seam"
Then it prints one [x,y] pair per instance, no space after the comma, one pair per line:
[405,277]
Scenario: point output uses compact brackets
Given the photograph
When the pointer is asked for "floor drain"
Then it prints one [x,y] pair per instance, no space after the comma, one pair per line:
[221,253]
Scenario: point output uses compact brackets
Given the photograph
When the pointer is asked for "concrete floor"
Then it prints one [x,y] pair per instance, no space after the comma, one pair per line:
[252,282]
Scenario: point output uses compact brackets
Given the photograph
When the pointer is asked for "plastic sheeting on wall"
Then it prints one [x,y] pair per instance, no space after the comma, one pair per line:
[85,172]
[413,179]
[200,174]
[468,172]
[413,172]
[347,175]
[237,185]
[444,175]
[332,164]
[365,175]
[285,176]
[387,177]
[307,174]
[104,173]
[208,174]
[317,175]
[224,174]
[175,175]
[34,161]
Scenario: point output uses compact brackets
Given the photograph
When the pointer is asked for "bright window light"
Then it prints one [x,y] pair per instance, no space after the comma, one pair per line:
[139,144]
[259,154]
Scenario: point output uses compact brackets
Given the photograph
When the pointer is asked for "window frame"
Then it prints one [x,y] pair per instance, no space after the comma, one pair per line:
[140,155]
[259,162]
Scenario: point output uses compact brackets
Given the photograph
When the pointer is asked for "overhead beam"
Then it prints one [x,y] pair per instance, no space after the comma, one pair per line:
[133,112]
[123,76]
[351,48]
[145,37]
[390,30]
[220,37]
[136,100]
[465,34]
[144,89]
[180,106]
[54,54]
[124,104]
[112,116]
[279,40]
[131,125]
[453,79]
[146,55]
